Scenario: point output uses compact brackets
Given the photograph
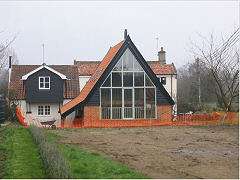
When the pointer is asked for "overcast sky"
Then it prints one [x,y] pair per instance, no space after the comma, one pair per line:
[85,30]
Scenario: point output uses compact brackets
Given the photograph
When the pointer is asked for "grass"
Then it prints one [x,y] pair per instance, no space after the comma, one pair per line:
[54,163]
[91,166]
[23,158]
[3,151]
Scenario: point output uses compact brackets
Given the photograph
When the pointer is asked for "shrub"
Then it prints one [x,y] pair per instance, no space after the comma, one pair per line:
[55,165]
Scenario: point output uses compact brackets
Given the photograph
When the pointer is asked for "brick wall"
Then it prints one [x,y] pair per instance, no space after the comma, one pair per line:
[92,118]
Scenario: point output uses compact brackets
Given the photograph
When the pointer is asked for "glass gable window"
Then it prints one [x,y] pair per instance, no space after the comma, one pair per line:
[128,93]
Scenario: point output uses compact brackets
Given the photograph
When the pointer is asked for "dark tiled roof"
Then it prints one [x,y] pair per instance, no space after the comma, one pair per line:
[87,68]
[93,80]
[71,87]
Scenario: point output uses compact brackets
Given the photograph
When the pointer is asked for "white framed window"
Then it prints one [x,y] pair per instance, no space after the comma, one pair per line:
[44,82]
[163,80]
[44,110]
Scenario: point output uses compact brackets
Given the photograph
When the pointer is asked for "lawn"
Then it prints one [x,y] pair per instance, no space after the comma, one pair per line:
[22,159]
[91,166]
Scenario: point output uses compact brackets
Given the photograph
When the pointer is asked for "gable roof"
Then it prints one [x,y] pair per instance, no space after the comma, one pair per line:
[105,68]
[87,68]
[92,81]
[41,67]
[71,87]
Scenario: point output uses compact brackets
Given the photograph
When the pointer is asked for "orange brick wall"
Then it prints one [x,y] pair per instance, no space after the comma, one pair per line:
[92,118]
[164,112]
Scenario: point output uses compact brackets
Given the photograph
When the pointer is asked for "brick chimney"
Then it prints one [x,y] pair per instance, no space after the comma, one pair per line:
[162,56]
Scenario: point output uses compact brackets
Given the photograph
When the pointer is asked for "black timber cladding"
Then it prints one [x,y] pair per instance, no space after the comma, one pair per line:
[34,94]
[163,98]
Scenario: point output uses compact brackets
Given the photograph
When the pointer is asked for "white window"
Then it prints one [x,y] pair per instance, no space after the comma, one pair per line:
[44,110]
[163,80]
[44,82]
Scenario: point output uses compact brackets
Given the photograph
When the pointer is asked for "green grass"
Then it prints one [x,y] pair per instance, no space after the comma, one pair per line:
[3,151]
[91,166]
[23,158]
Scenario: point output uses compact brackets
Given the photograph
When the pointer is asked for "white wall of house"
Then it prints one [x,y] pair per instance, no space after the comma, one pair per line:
[171,87]
[54,110]
[82,81]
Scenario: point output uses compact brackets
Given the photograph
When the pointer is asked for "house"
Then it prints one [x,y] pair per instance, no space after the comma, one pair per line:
[166,73]
[122,88]
[40,91]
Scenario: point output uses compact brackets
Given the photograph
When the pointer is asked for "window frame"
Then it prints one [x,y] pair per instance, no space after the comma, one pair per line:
[163,79]
[44,110]
[44,82]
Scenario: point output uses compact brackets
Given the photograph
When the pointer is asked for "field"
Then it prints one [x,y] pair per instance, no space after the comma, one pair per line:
[164,152]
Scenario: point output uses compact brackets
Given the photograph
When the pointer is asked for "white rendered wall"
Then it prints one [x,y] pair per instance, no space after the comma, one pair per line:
[82,81]
[173,93]
[54,108]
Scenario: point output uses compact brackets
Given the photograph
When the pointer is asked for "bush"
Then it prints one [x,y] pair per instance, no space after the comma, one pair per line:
[55,165]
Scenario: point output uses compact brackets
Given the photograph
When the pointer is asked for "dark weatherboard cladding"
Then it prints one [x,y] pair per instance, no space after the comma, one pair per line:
[34,94]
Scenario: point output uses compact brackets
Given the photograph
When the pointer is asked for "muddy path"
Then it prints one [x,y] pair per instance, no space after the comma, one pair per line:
[164,152]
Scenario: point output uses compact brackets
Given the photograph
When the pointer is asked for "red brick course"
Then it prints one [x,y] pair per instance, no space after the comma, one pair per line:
[92,118]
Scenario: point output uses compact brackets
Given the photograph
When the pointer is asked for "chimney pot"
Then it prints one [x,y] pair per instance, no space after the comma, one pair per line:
[161,48]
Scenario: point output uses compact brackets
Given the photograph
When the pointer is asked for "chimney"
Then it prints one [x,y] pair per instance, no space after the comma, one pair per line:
[162,56]
[9,72]
[10,62]
[125,34]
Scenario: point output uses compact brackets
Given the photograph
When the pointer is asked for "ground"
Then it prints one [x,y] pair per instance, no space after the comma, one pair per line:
[164,152]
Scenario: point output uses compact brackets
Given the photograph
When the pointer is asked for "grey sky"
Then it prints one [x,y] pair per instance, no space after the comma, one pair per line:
[85,30]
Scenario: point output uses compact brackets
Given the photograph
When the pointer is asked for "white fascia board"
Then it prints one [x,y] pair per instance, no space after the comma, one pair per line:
[41,67]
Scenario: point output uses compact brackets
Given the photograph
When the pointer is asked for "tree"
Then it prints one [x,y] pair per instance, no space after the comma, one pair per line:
[222,64]
[5,52]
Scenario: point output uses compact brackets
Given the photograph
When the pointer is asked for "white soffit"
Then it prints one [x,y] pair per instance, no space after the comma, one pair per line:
[41,67]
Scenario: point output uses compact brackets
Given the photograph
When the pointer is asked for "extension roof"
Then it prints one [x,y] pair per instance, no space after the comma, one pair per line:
[87,68]
[71,88]
[104,69]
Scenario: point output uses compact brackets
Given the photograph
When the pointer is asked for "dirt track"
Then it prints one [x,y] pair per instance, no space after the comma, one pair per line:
[165,152]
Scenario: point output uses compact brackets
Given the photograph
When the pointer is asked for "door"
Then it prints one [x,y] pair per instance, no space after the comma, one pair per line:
[128,104]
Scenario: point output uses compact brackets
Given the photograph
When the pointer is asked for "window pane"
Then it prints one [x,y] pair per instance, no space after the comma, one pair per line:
[127,61]
[150,102]
[127,79]
[46,79]
[139,79]
[40,110]
[128,103]
[117,103]
[46,85]
[41,85]
[148,81]
[137,66]
[106,103]
[47,110]
[107,82]
[41,79]
[117,79]
[163,80]
[139,103]
[118,66]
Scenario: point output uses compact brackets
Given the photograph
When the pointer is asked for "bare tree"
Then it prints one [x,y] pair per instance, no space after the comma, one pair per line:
[5,52]
[222,63]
